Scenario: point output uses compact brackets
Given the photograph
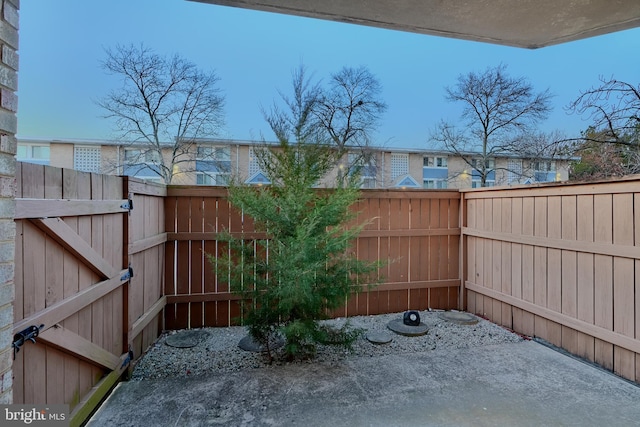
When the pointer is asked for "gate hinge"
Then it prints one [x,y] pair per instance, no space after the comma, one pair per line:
[128,274]
[128,359]
[128,205]
[28,334]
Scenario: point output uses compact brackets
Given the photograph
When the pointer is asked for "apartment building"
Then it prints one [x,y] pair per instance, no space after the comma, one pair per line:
[213,162]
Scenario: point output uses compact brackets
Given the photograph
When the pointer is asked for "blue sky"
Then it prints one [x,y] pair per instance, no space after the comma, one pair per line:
[62,43]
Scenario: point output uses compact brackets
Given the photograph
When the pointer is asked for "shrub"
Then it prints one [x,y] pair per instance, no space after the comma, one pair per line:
[304,268]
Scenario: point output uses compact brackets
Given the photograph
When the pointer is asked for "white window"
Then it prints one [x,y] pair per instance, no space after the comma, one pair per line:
[33,153]
[545,171]
[476,183]
[545,166]
[434,183]
[368,182]
[87,159]
[399,165]
[366,167]
[221,154]
[434,162]
[489,164]
[139,156]
[211,179]
[213,165]
[142,163]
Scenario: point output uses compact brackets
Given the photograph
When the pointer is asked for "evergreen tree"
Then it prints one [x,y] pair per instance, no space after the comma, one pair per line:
[304,268]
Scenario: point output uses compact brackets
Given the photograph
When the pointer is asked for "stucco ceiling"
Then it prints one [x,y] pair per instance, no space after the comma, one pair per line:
[522,23]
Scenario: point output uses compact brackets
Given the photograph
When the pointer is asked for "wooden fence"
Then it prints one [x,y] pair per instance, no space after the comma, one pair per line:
[561,263]
[417,232]
[76,239]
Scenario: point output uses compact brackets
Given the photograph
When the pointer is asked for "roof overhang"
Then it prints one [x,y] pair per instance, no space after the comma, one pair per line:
[522,23]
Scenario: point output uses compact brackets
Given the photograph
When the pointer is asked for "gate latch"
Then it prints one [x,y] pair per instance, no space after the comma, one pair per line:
[28,334]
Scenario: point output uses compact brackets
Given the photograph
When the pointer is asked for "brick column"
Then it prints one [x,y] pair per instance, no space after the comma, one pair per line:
[8,128]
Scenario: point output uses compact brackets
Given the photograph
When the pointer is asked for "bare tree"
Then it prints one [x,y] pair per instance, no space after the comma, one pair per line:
[498,113]
[164,104]
[613,109]
[350,107]
[296,120]
[349,112]
[343,114]
[611,145]
[303,146]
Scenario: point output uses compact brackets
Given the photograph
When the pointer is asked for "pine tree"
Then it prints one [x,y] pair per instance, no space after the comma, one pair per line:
[304,268]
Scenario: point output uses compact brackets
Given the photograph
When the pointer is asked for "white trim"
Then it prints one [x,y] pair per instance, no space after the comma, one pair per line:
[407,177]
[255,175]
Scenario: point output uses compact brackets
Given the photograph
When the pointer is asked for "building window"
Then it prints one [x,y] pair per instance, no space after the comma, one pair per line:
[210,153]
[32,153]
[545,171]
[434,183]
[489,164]
[434,172]
[142,164]
[213,165]
[366,167]
[399,165]
[545,166]
[87,159]
[138,156]
[434,162]
[477,172]
[203,178]
[476,183]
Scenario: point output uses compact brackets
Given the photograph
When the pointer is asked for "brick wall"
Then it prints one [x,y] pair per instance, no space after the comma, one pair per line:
[8,128]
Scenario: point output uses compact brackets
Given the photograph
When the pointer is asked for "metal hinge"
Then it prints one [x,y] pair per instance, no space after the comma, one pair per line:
[128,359]
[28,334]
[128,205]
[128,274]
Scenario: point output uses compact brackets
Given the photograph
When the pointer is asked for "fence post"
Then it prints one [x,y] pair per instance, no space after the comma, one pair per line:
[462,266]
[126,240]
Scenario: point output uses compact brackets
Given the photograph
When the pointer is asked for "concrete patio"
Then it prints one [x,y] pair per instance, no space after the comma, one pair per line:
[517,384]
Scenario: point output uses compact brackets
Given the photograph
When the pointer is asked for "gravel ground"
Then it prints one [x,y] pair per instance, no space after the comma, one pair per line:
[218,351]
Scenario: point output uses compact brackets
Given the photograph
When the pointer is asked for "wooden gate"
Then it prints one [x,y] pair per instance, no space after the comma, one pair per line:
[145,256]
[70,267]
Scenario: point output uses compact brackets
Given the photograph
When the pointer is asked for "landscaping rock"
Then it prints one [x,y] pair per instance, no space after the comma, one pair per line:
[186,338]
[459,317]
[218,352]
[376,337]
[398,326]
